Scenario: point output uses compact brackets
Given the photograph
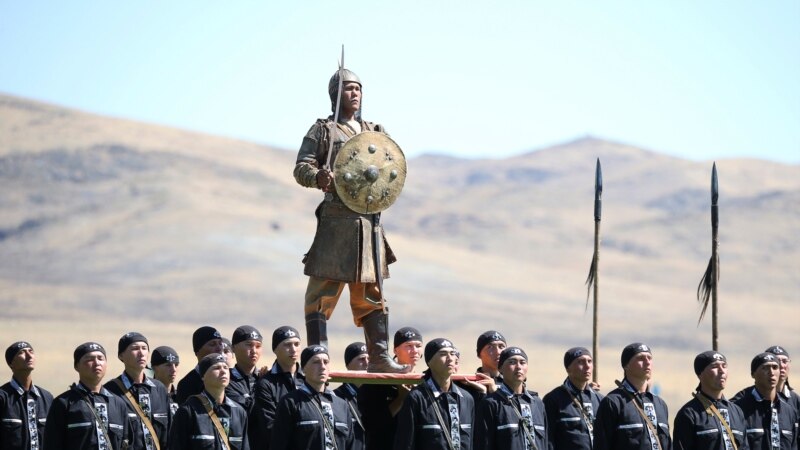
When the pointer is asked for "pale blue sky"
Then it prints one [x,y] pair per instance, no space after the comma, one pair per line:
[696,79]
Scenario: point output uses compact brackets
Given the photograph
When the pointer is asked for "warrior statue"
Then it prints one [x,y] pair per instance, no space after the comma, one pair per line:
[349,246]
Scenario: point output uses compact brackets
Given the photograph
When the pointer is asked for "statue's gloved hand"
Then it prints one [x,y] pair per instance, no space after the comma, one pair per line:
[325,180]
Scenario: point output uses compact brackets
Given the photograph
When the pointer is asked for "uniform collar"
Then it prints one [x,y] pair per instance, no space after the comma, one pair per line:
[510,394]
[760,398]
[240,375]
[497,379]
[437,391]
[276,369]
[350,388]
[80,387]
[21,391]
[626,385]
[312,393]
[721,400]
[213,402]
[574,389]
[128,382]
[786,392]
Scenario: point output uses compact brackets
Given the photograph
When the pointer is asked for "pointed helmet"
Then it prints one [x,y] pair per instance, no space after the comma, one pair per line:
[333,84]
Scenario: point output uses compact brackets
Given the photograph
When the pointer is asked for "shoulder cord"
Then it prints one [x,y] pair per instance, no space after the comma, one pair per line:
[139,412]
[325,422]
[582,409]
[215,420]
[435,405]
[712,410]
[641,412]
[99,421]
[354,411]
[525,428]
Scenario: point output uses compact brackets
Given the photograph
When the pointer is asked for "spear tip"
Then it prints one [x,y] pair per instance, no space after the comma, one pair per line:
[714,184]
[598,178]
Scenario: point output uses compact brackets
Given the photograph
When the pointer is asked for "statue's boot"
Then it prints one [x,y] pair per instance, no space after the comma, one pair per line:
[376,333]
[317,329]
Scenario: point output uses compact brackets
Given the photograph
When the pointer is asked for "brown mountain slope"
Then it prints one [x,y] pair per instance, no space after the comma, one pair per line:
[110,225]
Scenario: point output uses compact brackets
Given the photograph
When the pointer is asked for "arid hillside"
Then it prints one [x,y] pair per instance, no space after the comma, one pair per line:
[109,225]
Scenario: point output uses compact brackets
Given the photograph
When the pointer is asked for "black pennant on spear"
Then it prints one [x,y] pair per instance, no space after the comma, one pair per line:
[707,289]
[592,279]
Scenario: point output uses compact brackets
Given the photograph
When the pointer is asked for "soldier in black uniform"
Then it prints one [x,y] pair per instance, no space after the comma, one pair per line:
[284,376]
[490,344]
[247,343]
[165,361]
[88,416]
[379,404]
[437,415]
[23,405]
[312,417]
[355,358]
[147,399]
[631,417]
[512,418]
[572,407]
[771,422]
[709,421]
[787,393]
[205,341]
[209,420]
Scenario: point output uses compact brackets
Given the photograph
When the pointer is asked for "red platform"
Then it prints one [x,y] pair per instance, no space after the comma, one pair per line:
[388,378]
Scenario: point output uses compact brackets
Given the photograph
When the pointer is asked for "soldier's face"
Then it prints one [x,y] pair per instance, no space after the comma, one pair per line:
[580,369]
[784,363]
[360,362]
[212,346]
[166,373]
[217,376]
[515,368]
[135,356]
[24,360]
[409,352]
[490,354]
[640,367]
[351,97]
[248,351]
[91,367]
[317,369]
[444,362]
[766,376]
[228,353]
[715,376]
[288,351]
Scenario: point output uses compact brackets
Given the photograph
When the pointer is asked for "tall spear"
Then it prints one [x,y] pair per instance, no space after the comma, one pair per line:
[592,279]
[709,284]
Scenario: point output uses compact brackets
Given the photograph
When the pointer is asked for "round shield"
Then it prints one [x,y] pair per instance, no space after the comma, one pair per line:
[369,172]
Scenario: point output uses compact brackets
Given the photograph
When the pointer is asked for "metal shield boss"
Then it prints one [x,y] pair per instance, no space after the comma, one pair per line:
[369,172]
